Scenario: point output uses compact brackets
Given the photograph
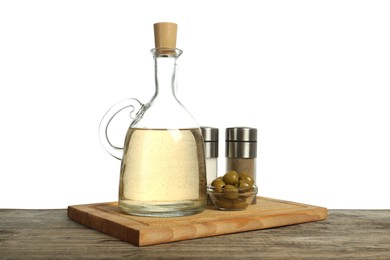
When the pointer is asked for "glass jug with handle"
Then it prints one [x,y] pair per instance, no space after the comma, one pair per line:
[163,172]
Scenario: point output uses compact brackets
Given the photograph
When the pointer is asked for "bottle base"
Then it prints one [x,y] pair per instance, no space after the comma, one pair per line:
[162,209]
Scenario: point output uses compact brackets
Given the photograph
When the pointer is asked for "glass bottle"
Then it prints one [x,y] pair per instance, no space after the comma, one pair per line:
[163,171]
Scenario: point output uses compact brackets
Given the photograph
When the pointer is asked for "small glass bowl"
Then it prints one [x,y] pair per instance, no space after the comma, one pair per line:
[238,199]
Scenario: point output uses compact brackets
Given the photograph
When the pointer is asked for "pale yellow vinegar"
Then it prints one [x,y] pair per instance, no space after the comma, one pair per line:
[163,172]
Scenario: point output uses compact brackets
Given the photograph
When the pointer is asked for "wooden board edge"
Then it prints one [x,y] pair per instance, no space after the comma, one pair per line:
[104,225]
[162,235]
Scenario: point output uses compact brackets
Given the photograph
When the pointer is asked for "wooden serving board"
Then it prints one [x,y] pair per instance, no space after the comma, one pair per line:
[143,231]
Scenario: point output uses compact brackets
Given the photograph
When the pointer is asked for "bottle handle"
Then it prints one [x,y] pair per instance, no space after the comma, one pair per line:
[136,107]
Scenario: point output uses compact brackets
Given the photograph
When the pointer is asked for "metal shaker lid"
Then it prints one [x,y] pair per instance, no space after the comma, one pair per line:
[241,134]
[241,142]
[210,134]
[210,137]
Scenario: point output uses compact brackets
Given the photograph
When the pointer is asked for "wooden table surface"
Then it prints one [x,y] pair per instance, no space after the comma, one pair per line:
[345,234]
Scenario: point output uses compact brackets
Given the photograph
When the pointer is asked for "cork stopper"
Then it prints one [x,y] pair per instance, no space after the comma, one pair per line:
[165,35]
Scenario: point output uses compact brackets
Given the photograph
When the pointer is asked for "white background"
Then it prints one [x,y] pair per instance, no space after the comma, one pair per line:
[312,76]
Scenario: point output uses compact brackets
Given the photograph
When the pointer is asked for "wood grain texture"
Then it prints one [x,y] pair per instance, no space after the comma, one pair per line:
[345,234]
[142,231]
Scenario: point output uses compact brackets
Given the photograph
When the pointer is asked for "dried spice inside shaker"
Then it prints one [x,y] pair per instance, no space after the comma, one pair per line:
[241,150]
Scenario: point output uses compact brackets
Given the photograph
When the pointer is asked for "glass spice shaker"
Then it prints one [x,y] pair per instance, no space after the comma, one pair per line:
[241,150]
[210,138]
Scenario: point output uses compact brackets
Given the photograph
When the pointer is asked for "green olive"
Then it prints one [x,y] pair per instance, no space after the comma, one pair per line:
[223,202]
[231,177]
[218,184]
[239,200]
[244,185]
[239,205]
[247,177]
[230,192]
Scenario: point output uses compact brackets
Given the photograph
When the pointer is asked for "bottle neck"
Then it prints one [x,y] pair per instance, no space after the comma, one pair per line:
[165,73]
[164,110]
